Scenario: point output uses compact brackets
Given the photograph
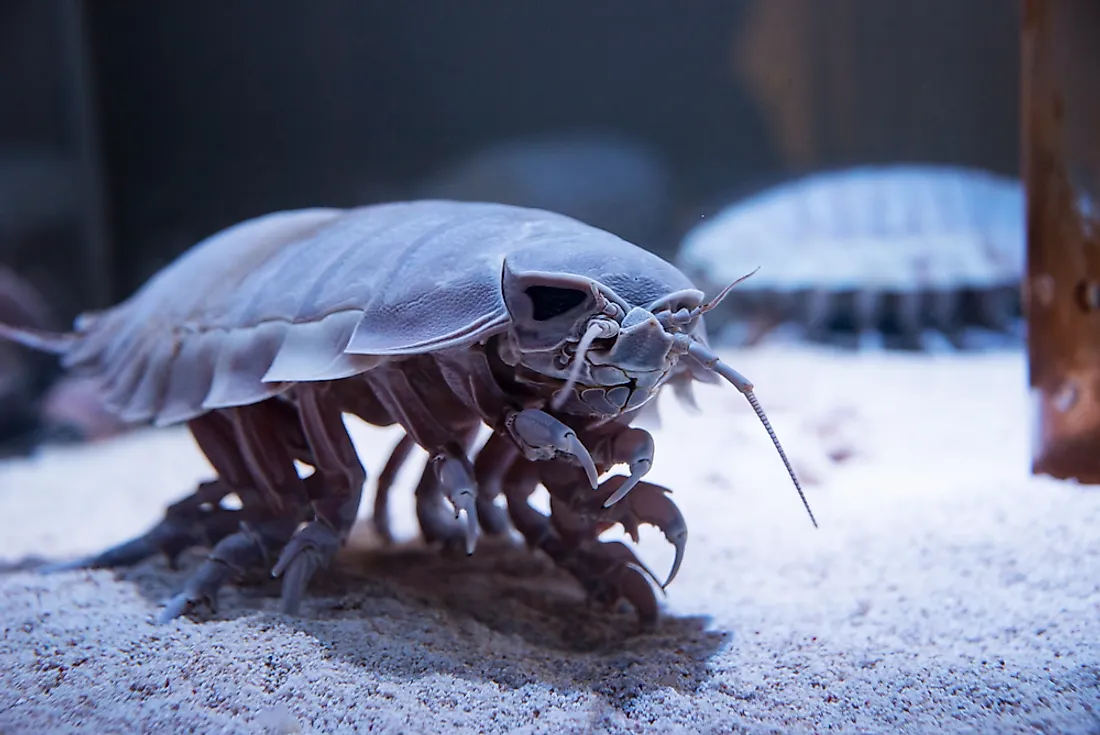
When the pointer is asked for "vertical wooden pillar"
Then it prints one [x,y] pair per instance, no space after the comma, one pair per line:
[1061,169]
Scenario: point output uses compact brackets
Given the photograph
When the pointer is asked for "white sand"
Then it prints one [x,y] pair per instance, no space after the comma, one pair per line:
[946,591]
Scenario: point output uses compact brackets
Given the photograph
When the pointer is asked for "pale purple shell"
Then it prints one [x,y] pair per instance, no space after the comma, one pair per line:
[325,294]
[901,248]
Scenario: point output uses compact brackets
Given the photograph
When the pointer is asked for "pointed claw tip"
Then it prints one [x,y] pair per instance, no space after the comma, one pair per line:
[471,533]
[593,475]
[679,541]
[280,567]
[628,484]
[578,450]
[174,608]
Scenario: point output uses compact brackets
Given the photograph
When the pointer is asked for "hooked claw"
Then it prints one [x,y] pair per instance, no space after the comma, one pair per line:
[637,471]
[649,503]
[457,480]
[611,572]
[541,436]
[311,548]
[636,446]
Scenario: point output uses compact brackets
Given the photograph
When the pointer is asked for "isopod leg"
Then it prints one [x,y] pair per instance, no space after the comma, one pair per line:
[380,516]
[910,306]
[336,491]
[541,436]
[426,412]
[635,447]
[581,514]
[820,309]
[265,436]
[607,571]
[490,465]
[867,307]
[944,309]
[447,489]
[198,519]
[520,480]
[437,523]
[440,521]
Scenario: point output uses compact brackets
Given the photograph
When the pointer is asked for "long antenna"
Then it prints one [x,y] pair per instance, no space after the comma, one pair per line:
[711,361]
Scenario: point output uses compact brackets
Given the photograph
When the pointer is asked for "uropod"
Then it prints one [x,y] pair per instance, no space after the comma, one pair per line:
[441,317]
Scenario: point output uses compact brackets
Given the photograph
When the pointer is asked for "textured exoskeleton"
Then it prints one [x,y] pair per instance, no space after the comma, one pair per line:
[438,316]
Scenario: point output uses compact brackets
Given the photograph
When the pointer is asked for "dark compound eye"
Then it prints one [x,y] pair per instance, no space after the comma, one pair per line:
[548,302]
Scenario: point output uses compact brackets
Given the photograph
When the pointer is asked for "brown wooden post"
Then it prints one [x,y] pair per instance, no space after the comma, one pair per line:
[1061,170]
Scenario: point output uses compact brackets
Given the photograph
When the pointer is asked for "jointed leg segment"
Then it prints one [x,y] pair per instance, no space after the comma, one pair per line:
[336,488]
[199,519]
[635,447]
[608,571]
[448,489]
[260,461]
[541,437]
[380,516]
[490,465]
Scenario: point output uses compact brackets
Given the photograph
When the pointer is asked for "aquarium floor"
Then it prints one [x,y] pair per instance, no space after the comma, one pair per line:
[946,591]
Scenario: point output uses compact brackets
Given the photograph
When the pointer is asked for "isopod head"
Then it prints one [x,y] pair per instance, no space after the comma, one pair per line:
[610,356]
[607,354]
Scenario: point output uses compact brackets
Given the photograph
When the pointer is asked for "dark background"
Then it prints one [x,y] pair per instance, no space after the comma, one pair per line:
[174,119]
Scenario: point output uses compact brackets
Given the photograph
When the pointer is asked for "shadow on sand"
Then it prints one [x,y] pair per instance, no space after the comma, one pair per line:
[504,615]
